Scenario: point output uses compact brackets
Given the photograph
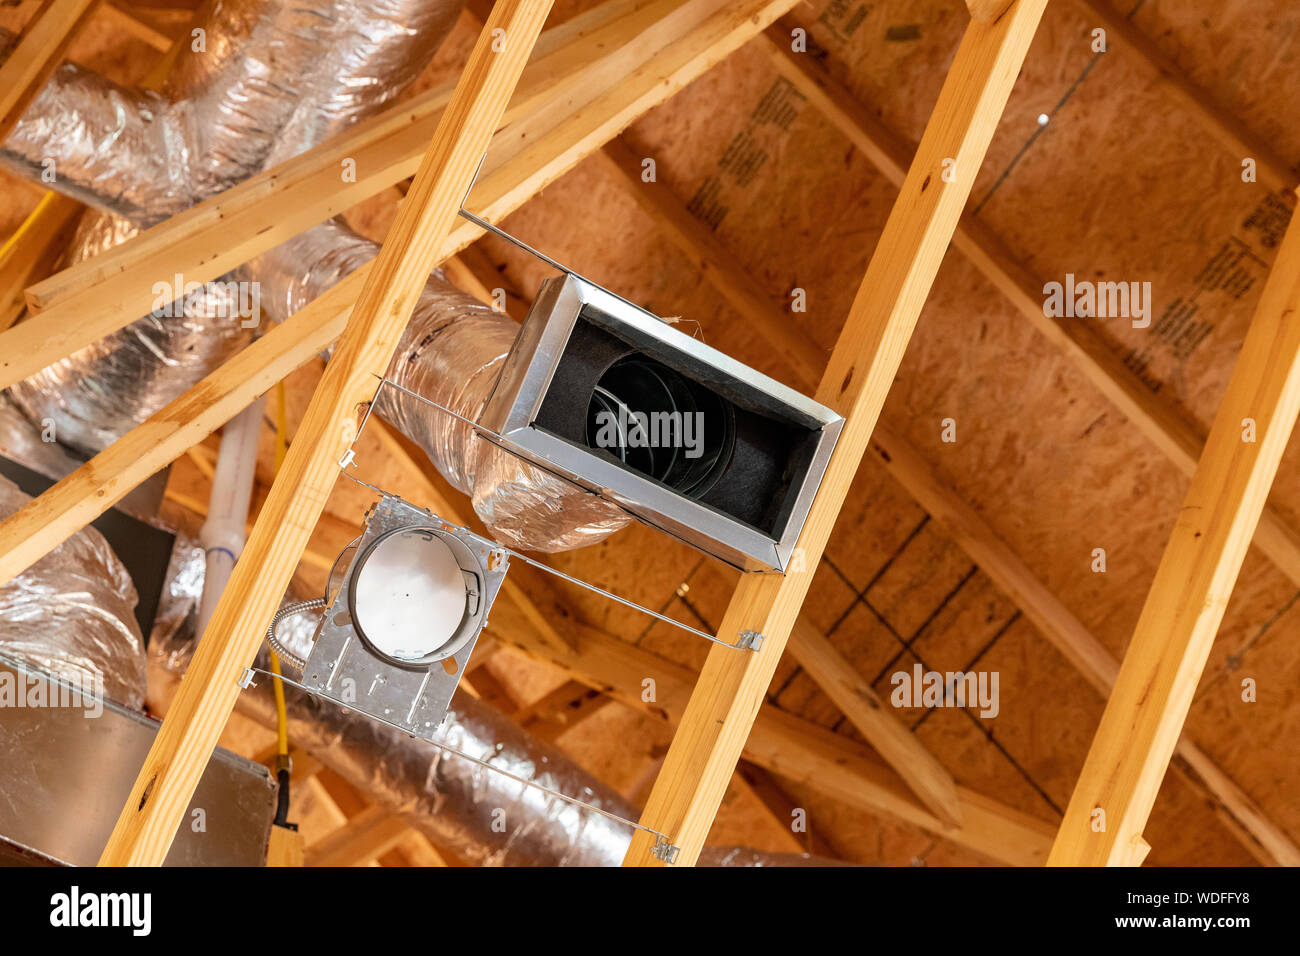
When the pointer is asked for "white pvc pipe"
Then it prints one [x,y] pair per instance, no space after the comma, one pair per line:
[222,534]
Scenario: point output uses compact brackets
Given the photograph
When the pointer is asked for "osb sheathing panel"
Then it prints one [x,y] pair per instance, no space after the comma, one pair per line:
[1118,184]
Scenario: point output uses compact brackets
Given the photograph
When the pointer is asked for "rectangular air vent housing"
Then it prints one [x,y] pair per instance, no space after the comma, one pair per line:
[737,483]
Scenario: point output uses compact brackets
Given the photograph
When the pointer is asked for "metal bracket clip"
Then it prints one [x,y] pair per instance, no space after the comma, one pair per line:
[751,639]
[663,850]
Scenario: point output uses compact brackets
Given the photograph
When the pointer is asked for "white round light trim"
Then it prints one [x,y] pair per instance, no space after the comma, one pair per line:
[409,595]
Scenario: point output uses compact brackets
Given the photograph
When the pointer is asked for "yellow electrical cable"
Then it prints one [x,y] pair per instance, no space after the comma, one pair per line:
[281,448]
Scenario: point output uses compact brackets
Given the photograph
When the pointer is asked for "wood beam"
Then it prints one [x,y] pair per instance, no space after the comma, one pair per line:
[987,10]
[370,834]
[561,710]
[861,369]
[1162,666]
[143,31]
[900,748]
[637,61]
[33,250]
[1162,424]
[39,50]
[180,752]
[768,791]
[854,696]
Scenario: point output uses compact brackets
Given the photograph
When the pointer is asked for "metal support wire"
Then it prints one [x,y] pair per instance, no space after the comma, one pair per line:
[663,848]
[515,241]
[744,640]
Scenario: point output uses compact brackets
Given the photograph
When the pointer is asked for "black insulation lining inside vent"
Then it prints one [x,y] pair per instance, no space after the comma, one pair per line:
[769,456]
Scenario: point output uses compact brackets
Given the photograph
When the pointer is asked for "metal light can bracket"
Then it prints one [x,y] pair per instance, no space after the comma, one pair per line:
[398,636]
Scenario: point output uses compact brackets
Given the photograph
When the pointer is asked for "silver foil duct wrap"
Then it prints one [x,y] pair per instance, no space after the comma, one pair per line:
[72,614]
[99,393]
[451,353]
[116,149]
[266,80]
[277,77]
[458,804]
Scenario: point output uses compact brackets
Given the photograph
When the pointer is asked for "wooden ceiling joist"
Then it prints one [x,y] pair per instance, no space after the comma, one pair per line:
[34,250]
[207,694]
[369,834]
[730,689]
[1162,665]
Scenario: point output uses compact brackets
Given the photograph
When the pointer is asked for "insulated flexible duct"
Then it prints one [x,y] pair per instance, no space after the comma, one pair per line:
[481,816]
[72,615]
[274,79]
[260,81]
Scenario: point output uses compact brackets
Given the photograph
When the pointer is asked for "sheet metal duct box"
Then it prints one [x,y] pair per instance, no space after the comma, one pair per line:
[67,770]
[682,436]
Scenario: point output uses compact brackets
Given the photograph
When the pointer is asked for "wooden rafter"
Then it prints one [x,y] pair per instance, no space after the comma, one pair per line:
[33,251]
[846,689]
[1162,666]
[207,694]
[730,690]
